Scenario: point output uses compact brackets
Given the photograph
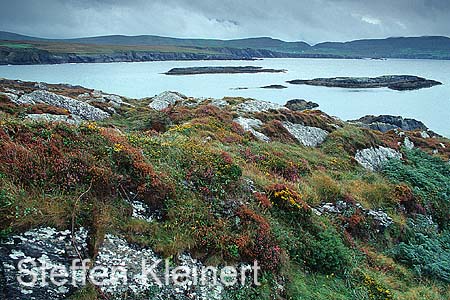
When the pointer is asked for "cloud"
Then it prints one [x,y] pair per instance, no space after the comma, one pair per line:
[370,20]
[309,20]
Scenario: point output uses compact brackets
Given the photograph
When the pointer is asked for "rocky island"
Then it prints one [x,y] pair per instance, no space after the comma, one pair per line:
[221,70]
[394,82]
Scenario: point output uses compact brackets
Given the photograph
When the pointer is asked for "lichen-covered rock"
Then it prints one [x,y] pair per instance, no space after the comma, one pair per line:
[166,99]
[251,125]
[117,252]
[253,106]
[44,249]
[374,158]
[75,107]
[306,135]
[55,118]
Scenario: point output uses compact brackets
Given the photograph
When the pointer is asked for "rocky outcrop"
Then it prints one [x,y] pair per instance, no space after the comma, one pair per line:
[116,250]
[385,123]
[220,70]
[374,158]
[251,125]
[166,99]
[43,249]
[300,104]
[75,107]
[394,82]
[55,118]
[97,96]
[380,219]
[252,106]
[306,135]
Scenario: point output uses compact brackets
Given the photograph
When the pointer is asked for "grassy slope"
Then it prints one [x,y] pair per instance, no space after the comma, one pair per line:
[194,166]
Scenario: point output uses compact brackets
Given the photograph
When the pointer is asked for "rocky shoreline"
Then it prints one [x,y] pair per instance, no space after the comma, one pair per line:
[394,82]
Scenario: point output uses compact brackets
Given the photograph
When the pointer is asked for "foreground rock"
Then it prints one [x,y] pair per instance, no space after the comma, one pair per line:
[166,99]
[385,123]
[252,106]
[252,125]
[43,249]
[394,82]
[306,135]
[373,159]
[221,70]
[300,104]
[75,107]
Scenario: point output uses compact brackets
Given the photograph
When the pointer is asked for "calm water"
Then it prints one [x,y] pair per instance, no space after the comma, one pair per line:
[137,80]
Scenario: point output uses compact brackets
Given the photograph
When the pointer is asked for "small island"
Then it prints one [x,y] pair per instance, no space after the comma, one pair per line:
[221,70]
[394,82]
[274,86]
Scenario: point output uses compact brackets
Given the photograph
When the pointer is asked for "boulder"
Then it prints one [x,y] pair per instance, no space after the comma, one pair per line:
[166,99]
[251,125]
[300,104]
[55,118]
[75,107]
[254,106]
[306,135]
[373,158]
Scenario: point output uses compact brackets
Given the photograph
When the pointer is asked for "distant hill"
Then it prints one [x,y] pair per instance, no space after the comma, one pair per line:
[21,49]
[399,47]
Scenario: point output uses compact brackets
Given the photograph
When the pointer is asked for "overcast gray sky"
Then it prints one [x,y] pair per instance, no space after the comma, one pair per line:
[308,20]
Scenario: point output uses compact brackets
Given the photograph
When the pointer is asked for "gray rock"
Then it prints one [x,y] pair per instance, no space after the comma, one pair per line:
[115,252]
[385,123]
[300,104]
[219,103]
[251,125]
[408,143]
[380,218]
[55,118]
[424,135]
[374,158]
[166,99]
[75,107]
[306,135]
[252,106]
[47,248]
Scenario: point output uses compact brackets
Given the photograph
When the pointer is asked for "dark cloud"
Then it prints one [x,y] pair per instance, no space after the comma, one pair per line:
[309,20]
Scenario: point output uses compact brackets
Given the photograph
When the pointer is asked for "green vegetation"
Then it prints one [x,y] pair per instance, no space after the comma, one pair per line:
[228,198]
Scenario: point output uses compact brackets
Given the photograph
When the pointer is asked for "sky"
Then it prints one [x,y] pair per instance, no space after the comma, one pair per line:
[312,21]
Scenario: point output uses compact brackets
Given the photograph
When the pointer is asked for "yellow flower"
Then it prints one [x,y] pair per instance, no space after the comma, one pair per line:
[118,147]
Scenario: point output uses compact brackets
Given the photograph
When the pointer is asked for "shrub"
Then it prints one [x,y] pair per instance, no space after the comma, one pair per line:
[425,251]
[284,197]
[429,178]
[324,251]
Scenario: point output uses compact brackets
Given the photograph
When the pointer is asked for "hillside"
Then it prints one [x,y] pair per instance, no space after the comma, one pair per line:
[19,49]
[329,209]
